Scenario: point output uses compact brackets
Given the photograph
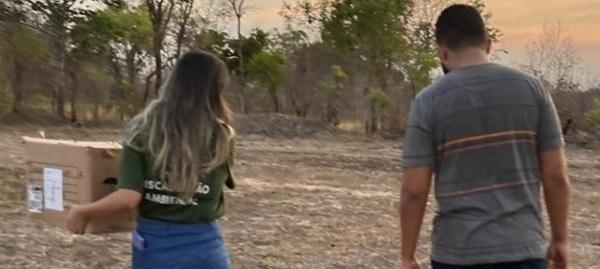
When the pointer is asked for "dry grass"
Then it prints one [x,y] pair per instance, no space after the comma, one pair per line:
[300,203]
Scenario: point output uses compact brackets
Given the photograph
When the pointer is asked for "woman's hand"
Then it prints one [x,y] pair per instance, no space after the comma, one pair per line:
[122,200]
[77,220]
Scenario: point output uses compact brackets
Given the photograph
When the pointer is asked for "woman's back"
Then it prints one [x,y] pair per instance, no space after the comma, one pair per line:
[177,156]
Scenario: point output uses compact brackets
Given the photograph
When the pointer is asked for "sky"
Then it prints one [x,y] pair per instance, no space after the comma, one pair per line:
[521,22]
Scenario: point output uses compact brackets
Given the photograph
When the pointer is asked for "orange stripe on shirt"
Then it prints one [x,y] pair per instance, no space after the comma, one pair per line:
[485,136]
[490,188]
[487,145]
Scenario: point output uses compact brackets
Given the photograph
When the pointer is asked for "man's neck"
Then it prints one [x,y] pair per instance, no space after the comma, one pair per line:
[472,57]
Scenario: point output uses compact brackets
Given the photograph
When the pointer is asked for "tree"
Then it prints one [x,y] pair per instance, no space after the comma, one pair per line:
[593,117]
[423,53]
[552,56]
[58,18]
[91,41]
[136,43]
[214,42]
[239,8]
[291,41]
[161,12]
[333,92]
[424,14]
[375,30]
[422,57]
[305,76]
[493,33]
[119,38]
[268,70]
[183,19]
[304,15]
[23,54]
[211,13]
[299,88]
[379,98]
[256,42]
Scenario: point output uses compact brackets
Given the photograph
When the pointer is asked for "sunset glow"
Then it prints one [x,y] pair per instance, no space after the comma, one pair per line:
[520,22]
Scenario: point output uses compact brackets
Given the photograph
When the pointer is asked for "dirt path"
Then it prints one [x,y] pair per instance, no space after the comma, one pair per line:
[300,203]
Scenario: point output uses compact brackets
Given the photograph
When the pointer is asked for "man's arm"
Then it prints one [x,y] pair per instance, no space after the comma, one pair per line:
[557,190]
[418,159]
[413,201]
[554,177]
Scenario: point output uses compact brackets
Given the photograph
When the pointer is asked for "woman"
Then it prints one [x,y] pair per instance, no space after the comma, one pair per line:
[176,158]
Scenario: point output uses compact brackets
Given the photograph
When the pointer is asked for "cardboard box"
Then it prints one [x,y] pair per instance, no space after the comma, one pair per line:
[61,173]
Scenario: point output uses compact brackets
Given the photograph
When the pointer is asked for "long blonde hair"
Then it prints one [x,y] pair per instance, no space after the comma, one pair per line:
[186,129]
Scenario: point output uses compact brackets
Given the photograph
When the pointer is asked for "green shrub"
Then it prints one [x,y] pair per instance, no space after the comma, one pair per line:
[379,98]
[593,117]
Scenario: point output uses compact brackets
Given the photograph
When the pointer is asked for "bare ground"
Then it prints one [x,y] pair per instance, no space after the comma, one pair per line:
[301,202]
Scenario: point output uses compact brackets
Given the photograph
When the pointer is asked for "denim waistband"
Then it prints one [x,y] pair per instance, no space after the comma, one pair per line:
[165,228]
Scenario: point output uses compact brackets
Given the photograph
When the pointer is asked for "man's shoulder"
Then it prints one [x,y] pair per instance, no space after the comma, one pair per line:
[514,73]
[432,90]
[492,72]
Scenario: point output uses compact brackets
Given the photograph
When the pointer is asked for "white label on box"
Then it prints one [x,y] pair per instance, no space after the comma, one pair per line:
[53,189]
[34,198]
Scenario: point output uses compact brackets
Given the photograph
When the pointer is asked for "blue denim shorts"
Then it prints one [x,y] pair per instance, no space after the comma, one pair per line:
[159,245]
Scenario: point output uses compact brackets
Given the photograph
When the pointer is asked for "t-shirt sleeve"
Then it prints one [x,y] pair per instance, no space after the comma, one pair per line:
[230,182]
[231,158]
[131,174]
[419,145]
[549,134]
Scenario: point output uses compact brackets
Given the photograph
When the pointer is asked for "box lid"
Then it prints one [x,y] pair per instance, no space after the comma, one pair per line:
[73,143]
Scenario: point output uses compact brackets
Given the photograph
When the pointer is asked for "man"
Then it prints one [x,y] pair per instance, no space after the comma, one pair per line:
[491,136]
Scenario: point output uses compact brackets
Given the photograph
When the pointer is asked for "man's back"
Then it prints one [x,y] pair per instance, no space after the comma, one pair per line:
[487,124]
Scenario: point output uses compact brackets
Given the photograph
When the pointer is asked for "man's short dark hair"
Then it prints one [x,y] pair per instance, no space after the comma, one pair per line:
[460,26]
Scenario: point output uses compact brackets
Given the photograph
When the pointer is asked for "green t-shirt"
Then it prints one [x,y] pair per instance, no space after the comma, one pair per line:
[159,203]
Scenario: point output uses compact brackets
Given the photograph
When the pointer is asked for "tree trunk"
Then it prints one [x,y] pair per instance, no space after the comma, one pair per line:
[274,99]
[180,36]
[158,66]
[243,108]
[332,115]
[160,16]
[296,108]
[374,127]
[96,111]
[73,99]
[132,76]
[371,112]
[304,111]
[242,99]
[131,68]
[17,86]
[59,76]
[147,90]
[186,12]
[567,127]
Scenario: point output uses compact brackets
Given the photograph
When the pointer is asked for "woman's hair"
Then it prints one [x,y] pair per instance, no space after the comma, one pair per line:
[186,129]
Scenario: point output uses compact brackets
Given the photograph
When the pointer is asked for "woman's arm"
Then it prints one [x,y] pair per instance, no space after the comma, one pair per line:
[122,200]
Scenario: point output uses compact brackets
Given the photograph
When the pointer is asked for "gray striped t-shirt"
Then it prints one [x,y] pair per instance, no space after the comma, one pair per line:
[481,128]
